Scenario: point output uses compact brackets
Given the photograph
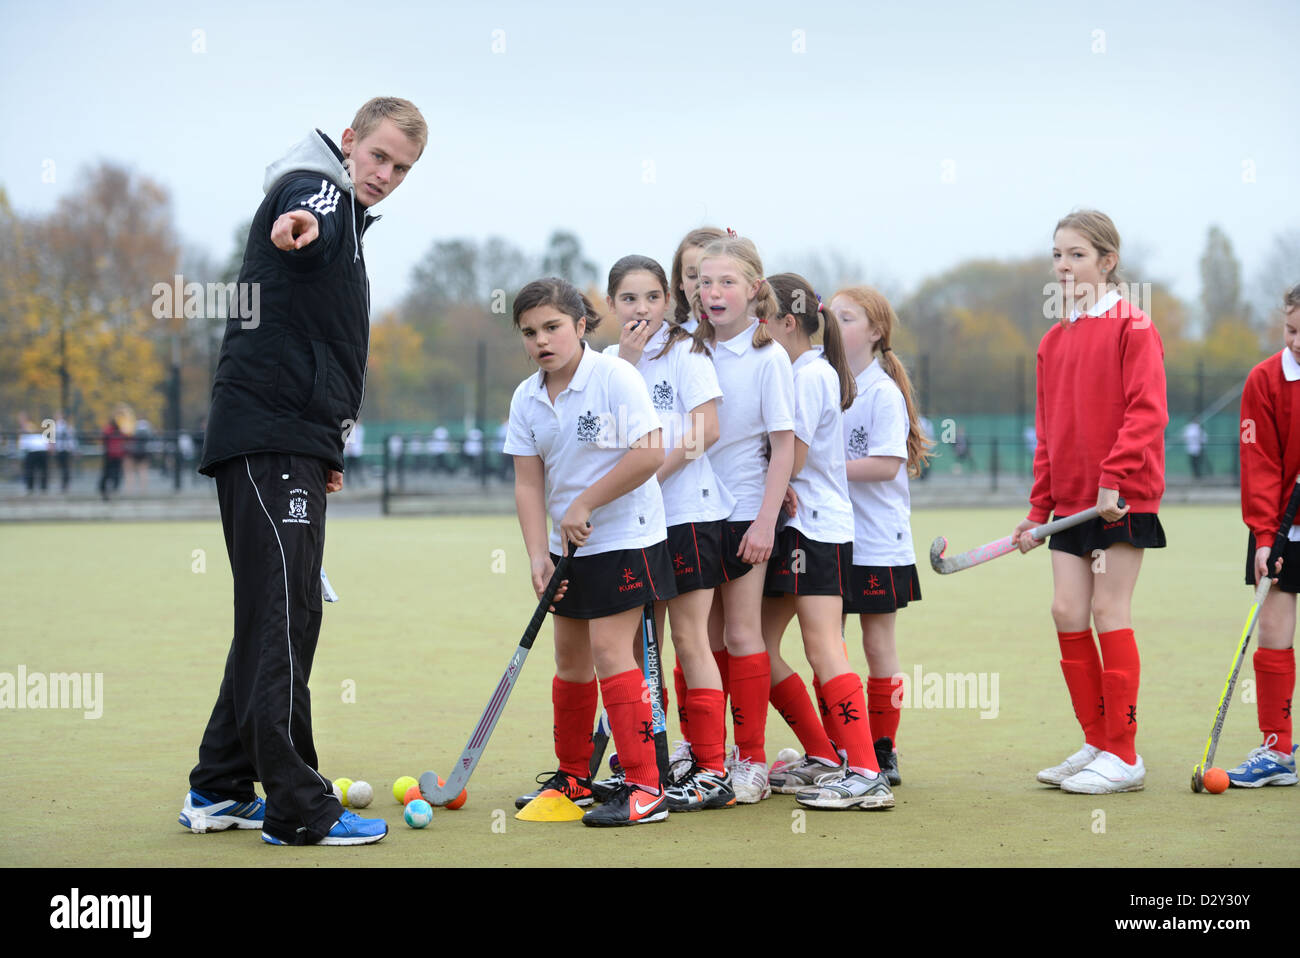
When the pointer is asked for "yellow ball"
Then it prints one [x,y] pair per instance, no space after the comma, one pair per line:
[342,784]
[400,786]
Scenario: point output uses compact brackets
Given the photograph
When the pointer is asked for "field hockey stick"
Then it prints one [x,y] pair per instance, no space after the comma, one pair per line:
[599,742]
[437,794]
[654,677]
[1261,593]
[1001,547]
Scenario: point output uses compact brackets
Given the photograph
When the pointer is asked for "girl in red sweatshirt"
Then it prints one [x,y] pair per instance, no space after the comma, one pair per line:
[1270,461]
[1100,417]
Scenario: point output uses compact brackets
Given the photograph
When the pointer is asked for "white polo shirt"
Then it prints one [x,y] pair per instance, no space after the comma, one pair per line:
[677,383]
[758,389]
[876,425]
[580,438]
[824,513]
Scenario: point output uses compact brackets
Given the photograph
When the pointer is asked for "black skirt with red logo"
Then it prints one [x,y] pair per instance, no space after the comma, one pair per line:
[608,583]
[695,549]
[803,566]
[881,589]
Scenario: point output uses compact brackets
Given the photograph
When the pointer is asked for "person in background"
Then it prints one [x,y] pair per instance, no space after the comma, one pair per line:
[110,478]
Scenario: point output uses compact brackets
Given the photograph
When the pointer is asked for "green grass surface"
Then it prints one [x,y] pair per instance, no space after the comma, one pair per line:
[425,628]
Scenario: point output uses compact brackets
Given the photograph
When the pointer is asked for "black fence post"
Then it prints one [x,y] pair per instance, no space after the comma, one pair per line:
[993,466]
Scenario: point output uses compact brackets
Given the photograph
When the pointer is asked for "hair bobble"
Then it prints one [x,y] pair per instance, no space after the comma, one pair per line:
[732,233]
[762,322]
[884,349]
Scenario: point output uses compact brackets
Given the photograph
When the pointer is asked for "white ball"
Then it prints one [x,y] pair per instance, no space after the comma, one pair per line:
[787,755]
[360,794]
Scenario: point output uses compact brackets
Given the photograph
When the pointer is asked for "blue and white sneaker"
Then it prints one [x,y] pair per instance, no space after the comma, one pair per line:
[1265,766]
[200,815]
[351,829]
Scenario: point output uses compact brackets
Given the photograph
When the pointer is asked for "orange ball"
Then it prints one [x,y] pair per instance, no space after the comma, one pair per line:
[412,793]
[459,800]
[1216,780]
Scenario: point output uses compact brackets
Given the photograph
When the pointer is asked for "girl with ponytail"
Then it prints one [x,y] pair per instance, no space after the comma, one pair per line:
[808,573]
[753,458]
[884,445]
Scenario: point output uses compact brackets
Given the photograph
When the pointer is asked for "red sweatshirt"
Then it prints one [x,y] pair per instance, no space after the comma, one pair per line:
[1101,414]
[1270,447]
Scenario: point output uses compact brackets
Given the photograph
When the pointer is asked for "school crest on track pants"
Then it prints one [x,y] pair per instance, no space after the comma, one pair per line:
[273,516]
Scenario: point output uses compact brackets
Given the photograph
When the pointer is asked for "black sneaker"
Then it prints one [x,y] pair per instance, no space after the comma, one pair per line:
[576,790]
[699,790]
[605,789]
[629,805]
[887,759]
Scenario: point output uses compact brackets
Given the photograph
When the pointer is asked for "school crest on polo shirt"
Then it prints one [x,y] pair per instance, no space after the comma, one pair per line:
[858,442]
[588,426]
[662,396]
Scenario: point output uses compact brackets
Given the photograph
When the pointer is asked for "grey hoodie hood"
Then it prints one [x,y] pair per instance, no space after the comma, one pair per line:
[316,153]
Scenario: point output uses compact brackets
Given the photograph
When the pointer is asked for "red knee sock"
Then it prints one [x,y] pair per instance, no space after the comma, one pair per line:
[884,697]
[790,697]
[1274,686]
[751,677]
[629,719]
[723,658]
[575,712]
[1081,666]
[708,711]
[1121,671]
[679,685]
[847,703]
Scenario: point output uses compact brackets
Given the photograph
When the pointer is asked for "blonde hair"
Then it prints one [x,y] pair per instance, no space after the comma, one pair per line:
[404,114]
[883,319]
[745,255]
[1291,299]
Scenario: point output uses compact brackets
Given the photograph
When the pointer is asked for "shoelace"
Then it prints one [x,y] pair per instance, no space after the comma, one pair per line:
[1257,753]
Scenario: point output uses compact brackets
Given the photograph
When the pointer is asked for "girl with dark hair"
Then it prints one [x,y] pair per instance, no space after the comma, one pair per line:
[684,391]
[586,445]
[808,573]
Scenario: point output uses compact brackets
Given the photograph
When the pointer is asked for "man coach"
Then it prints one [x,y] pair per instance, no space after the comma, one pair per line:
[288,387]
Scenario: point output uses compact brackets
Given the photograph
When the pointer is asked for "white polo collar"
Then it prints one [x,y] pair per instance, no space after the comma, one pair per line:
[580,375]
[870,374]
[1290,368]
[1101,307]
[810,355]
[739,343]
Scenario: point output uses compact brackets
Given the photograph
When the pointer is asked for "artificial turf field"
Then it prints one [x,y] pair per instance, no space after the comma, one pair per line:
[426,627]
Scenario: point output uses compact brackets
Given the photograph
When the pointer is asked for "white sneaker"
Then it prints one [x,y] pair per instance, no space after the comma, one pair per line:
[804,772]
[1071,766]
[1105,774]
[680,762]
[849,789]
[749,781]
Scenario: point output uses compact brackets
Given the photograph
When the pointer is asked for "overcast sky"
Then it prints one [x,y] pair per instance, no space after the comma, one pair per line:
[908,136]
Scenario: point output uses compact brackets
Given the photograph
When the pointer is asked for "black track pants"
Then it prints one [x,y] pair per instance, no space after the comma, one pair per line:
[273,515]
